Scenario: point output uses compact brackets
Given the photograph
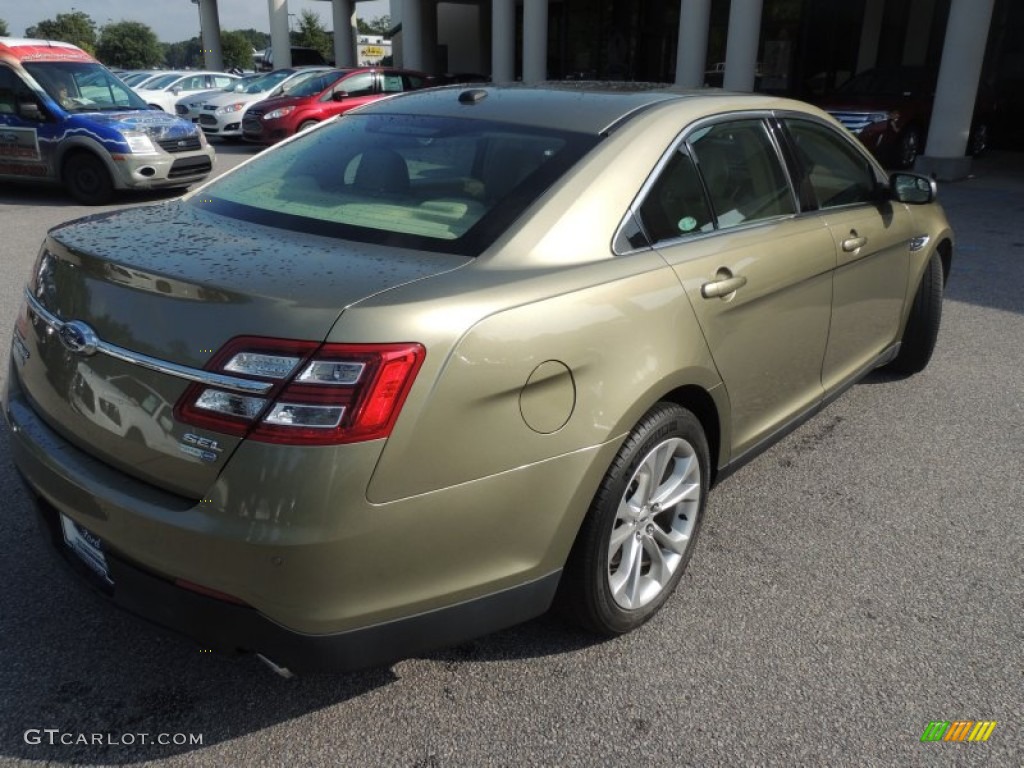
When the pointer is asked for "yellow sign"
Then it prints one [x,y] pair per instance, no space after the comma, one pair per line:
[372,51]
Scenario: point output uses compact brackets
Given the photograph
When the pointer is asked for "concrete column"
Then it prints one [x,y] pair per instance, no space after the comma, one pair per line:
[535,40]
[344,13]
[870,32]
[412,34]
[280,42]
[963,53]
[209,21]
[430,63]
[741,47]
[692,46]
[503,41]
[919,27]
[484,23]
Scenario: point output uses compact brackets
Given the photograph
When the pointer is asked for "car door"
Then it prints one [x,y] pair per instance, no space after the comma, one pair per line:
[21,155]
[872,238]
[758,275]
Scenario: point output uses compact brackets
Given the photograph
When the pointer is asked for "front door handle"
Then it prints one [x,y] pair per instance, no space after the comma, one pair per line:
[725,284]
[854,242]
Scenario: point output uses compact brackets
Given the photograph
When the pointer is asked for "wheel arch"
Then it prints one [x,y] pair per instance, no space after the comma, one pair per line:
[945,251]
[701,404]
[82,146]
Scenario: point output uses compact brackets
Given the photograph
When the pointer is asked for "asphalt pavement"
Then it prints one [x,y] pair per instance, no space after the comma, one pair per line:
[857,581]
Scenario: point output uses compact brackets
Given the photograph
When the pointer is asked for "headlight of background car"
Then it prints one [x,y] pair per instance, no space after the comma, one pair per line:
[140,144]
[892,117]
[275,114]
[229,108]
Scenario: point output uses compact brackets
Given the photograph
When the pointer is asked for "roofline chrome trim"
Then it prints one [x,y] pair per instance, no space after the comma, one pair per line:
[232,383]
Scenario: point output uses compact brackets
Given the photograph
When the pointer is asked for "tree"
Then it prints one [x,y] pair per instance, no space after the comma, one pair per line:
[258,40]
[313,34]
[380,25]
[76,28]
[236,49]
[185,54]
[129,44]
[3,28]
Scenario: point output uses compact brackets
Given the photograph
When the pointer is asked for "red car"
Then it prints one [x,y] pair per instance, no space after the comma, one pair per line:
[319,98]
[889,110]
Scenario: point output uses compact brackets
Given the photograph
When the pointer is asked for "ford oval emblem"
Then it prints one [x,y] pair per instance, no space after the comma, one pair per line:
[79,338]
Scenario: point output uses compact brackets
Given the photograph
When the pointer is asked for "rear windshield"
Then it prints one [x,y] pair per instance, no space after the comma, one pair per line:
[430,183]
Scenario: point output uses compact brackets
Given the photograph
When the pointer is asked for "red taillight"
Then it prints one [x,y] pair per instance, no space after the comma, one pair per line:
[320,394]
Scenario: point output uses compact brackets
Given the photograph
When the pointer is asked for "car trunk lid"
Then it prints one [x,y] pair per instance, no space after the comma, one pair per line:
[169,285]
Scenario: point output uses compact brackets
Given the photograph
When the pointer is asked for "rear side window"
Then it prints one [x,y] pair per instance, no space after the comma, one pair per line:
[675,206]
[431,183]
[832,173]
[742,173]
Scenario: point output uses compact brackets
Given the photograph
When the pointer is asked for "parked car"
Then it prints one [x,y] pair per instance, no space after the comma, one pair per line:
[458,353]
[222,115]
[137,77]
[321,97]
[163,92]
[890,110]
[66,119]
[190,106]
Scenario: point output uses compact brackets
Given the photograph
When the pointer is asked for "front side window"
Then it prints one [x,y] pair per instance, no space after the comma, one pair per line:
[360,84]
[742,172]
[430,183]
[832,172]
[312,85]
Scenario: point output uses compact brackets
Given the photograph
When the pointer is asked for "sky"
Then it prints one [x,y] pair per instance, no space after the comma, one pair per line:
[172,20]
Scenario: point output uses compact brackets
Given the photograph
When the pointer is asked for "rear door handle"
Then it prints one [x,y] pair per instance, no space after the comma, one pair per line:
[854,243]
[725,284]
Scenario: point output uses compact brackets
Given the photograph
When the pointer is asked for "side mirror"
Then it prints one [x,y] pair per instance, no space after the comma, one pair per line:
[912,188]
[339,95]
[176,90]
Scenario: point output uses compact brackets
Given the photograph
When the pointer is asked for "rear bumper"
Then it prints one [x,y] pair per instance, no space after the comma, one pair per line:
[368,591]
[232,629]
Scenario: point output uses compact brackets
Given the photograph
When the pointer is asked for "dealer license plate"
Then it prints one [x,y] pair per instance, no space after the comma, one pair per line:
[87,546]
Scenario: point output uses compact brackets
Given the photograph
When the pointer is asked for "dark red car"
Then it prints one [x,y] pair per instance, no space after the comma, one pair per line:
[318,98]
[889,110]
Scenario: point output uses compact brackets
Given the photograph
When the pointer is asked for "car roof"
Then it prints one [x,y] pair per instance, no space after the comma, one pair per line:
[581,107]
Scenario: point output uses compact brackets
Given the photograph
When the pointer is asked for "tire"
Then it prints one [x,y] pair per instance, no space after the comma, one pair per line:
[923,323]
[87,180]
[306,125]
[630,554]
[909,147]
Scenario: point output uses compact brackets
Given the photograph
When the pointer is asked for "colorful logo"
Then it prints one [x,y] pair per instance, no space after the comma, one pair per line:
[960,730]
